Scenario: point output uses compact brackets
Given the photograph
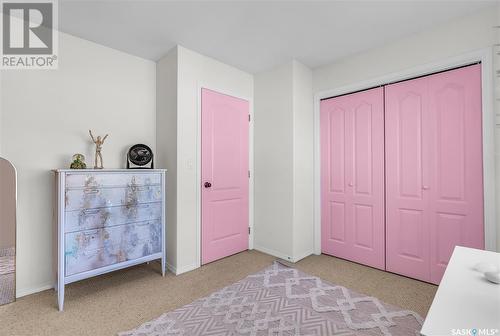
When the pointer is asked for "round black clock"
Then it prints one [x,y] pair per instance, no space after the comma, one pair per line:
[140,155]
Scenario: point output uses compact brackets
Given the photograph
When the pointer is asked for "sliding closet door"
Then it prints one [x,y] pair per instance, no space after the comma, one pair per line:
[352,177]
[434,180]
[456,196]
[407,178]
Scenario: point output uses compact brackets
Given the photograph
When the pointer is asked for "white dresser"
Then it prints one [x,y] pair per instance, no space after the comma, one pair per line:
[107,220]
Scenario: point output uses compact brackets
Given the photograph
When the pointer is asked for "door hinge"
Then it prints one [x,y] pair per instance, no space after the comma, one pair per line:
[249,118]
[249,230]
[249,174]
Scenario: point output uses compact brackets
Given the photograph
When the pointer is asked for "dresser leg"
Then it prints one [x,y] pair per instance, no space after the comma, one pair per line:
[60,297]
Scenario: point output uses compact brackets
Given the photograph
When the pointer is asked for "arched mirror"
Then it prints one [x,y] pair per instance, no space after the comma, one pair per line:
[8,190]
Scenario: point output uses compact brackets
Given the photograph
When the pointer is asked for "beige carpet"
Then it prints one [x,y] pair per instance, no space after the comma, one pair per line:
[123,300]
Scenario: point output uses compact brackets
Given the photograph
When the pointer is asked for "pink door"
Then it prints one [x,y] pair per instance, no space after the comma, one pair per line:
[456,197]
[224,177]
[407,176]
[352,177]
[434,192]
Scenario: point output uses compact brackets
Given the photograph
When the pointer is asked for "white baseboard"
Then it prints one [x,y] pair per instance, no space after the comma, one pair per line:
[177,271]
[171,268]
[28,291]
[182,269]
[302,256]
[282,255]
[272,252]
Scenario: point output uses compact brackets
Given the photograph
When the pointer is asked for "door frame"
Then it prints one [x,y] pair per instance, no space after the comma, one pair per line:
[485,56]
[227,92]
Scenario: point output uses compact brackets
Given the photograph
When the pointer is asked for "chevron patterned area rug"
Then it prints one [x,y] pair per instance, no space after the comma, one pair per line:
[281,300]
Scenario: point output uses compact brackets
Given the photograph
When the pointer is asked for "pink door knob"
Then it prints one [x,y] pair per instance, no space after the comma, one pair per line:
[425,187]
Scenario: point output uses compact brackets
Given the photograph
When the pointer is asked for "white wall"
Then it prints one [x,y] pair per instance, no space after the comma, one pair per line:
[461,36]
[303,160]
[496,74]
[454,38]
[284,161]
[194,70]
[46,118]
[166,140]
[273,127]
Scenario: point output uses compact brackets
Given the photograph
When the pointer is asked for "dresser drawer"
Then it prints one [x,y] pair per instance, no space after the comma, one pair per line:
[91,198]
[91,249]
[89,180]
[86,219]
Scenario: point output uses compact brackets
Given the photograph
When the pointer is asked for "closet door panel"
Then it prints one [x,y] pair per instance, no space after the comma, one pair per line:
[456,201]
[352,186]
[335,158]
[367,182]
[407,178]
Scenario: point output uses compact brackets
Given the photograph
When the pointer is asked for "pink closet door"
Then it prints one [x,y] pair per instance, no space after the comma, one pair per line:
[407,177]
[456,188]
[352,177]
[434,180]
[224,163]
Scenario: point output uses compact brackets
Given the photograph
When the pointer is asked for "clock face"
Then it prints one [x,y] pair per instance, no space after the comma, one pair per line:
[140,155]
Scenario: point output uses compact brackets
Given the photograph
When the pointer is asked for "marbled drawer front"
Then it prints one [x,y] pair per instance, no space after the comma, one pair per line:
[86,219]
[91,249]
[81,180]
[91,198]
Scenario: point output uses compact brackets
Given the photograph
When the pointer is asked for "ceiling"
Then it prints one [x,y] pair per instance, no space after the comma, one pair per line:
[255,35]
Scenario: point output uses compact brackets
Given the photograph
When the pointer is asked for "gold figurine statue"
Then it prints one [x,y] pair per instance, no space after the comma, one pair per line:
[98,147]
